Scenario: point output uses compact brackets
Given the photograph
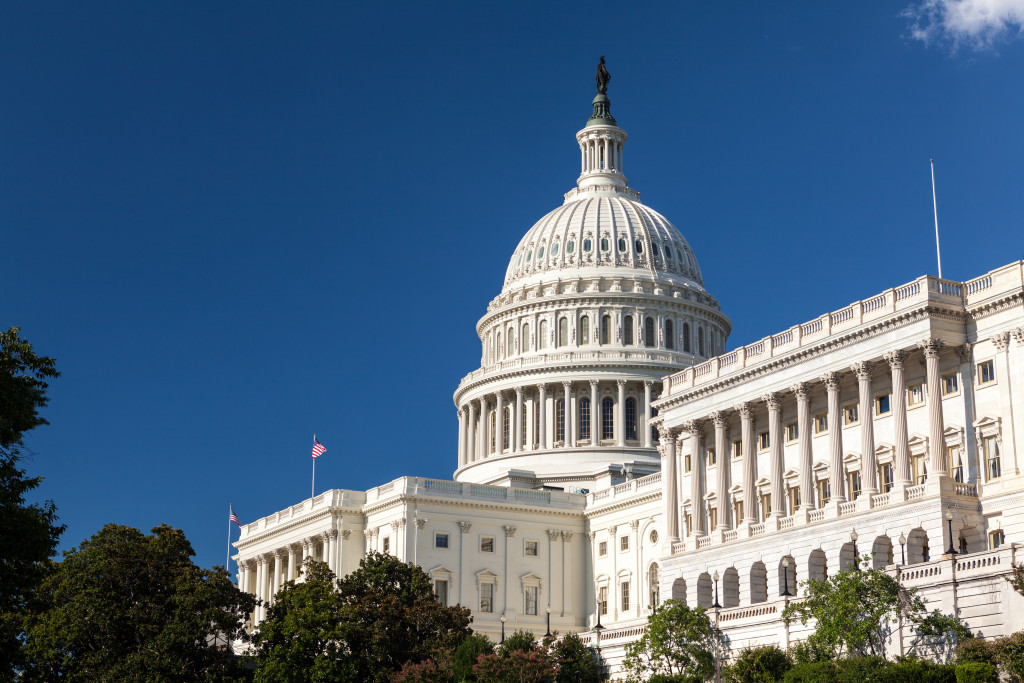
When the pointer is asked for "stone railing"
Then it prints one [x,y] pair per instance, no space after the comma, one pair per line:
[734,613]
[626,488]
[925,289]
[323,502]
[611,356]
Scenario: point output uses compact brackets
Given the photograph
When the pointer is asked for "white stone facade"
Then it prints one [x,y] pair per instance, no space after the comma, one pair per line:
[572,501]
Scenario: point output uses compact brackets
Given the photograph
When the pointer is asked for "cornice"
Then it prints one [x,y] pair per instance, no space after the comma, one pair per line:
[544,373]
[404,498]
[294,523]
[617,504]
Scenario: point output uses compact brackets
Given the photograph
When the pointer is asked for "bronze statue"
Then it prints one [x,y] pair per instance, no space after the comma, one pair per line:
[602,77]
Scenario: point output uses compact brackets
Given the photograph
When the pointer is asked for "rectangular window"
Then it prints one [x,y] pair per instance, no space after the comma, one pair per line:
[602,599]
[885,477]
[794,499]
[821,423]
[712,457]
[915,394]
[996,539]
[950,384]
[714,518]
[689,524]
[991,449]
[530,549]
[792,432]
[625,596]
[623,542]
[686,463]
[851,414]
[954,464]
[602,548]
[986,372]
[853,484]
[824,492]
[882,405]
[738,507]
[386,547]
[531,599]
[486,597]
[920,472]
[560,420]
[766,506]
[763,441]
[487,544]
[441,592]
[440,540]
[737,449]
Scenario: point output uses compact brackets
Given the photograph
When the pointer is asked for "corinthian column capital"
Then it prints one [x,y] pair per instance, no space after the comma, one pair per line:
[720,418]
[772,400]
[862,370]
[931,347]
[801,390]
[896,359]
[831,380]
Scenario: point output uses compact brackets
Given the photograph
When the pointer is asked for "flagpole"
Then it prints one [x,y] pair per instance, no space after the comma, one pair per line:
[312,488]
[935,210]
[227,558]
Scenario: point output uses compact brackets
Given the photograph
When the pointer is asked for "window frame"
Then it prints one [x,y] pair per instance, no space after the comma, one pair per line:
[531,548]
[821,419]
[986,367]
[911,394]
[438,535]
[792,432]
[483,541]
[851,414]
[955,377]
[879,398]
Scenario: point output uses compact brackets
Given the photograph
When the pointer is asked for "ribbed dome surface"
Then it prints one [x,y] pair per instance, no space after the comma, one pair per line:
[603,231]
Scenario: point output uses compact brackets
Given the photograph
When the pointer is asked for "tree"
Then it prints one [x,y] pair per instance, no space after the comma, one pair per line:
[575,661]
[759,665]
[467,653]
[128,606]
[28,533]
[516,666]
[679,642]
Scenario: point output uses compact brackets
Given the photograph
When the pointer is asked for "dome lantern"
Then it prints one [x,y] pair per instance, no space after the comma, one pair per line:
[601,142]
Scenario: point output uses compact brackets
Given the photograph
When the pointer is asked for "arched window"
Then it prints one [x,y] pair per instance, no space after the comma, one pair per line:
[563,332]
[704,590]
[606,329]
[686,337]
[505,426]
[631,418]
[627,330]
[669,336]
[543,336]
[652,582]
[536,422]
[490,434]
[524,340]
[584,330]
[700,341]
[584,418]
[731,588]
[500,348]
[758,583]
[522,427]
[649,339]
[560,420]
[510,344]
[607,418]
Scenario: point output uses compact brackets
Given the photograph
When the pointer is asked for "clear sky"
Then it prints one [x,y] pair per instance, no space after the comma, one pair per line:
[237,224]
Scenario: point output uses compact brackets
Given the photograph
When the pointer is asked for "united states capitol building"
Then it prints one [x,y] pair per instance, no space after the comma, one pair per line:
[613,452]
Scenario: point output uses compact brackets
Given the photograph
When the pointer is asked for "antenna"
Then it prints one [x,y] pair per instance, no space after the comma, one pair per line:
[935,209]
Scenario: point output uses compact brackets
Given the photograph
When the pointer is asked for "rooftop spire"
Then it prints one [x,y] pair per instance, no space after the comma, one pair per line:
[602,105]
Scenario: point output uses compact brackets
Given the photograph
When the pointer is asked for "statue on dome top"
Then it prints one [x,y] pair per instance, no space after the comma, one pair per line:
[602,77]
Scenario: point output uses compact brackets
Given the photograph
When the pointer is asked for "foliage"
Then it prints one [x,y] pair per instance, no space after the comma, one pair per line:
[811,672]
[914,670]
[1016,577]
[854,611]
[759,665]
[427,671]
[1009,652]
[976,650]
[977,672]
[520,641]
[938,636]
[23,385]
[127,606]
[575,661]
[678,640]
[516,666]
[467,653]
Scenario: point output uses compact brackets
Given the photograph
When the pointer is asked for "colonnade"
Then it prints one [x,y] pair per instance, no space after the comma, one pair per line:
[478,440]
[751,417]
[601,152]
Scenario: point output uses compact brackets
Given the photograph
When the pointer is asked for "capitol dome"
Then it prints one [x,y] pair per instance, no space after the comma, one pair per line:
[602,298]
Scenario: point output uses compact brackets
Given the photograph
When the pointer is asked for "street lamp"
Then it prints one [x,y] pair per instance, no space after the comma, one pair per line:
[597,635]
[503,628]
[548,610]
[949,520]
[903,551]
[853,537]
[716,605]
[785,577]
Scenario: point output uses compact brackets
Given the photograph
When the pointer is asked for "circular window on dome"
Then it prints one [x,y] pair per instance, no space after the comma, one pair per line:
[554,249]
[639,247]
[654,250]
[668,251]
[570,247]
[622,244]
[540,253]
[654,536]
[587,245]
[604,244]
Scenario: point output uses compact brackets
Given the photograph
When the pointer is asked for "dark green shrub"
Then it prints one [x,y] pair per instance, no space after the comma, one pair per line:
[520,641]
[759,665]
[914,670]
[811,672]
[674,678]
[862,670]
[976,650]
[977,672]
[466,654]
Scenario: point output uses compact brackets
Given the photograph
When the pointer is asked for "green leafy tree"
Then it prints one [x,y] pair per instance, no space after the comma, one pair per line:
[759,665]
[467,653]
[575,661]
[125,606]
[516,666]
[938,635]
[679,642]
[520,641]
[29,533]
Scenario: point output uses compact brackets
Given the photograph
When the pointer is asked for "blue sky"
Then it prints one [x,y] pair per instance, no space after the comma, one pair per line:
[237,224]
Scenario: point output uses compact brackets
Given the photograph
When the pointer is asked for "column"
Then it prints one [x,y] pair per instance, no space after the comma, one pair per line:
[566,415]
[775,446]
[517,442]
[749,463]
[499,423]
[471,434]
[258,613]
[902,475]
[837,482]
[669,491]
[243,576]
[868,468]
[721,420]
[1008,445]
[292,569]
[803,428]
[620,413]
[542,398]
[462,438]
[332,551]
[572,429]
[595,412]
[647,414]
[936,428]
[481,448]
[694,428]
[279,556]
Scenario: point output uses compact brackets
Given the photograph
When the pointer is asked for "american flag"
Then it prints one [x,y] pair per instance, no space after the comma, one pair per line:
[318,448]
[233,517]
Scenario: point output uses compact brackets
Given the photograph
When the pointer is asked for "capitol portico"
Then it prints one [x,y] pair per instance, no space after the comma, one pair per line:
[613,453]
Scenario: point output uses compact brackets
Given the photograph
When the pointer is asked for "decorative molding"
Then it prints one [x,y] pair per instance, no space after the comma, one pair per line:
[1018,334]
[720,419]
[895,359]
[745,410]
[931,347]
[963,353]
[510,531]
[420,522]
[567,536]
[802,391]
[1001,341]
[634,525]
[464,527]
[345,533]
[831,381]
[554,534]
[862,370]
[771,399]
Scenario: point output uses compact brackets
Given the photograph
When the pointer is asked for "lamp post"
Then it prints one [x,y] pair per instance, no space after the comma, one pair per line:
[503,628]
[785,577]
[949,520]
[548,610]
[903,551]
[856,562]
[716,605]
